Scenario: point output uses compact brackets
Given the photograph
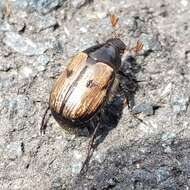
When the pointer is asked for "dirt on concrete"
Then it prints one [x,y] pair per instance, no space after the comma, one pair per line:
[38,38]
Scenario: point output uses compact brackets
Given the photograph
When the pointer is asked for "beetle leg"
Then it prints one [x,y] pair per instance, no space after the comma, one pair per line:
[44,122]
[134,115]
[91,142]
[113,90]
[137,48]
[90,148]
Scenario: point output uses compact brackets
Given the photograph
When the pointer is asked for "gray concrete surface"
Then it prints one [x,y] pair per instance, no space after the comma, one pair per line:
[37,40]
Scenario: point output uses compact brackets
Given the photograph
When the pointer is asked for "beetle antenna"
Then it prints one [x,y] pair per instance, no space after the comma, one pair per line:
[114,20]
[90,150]
[44,121]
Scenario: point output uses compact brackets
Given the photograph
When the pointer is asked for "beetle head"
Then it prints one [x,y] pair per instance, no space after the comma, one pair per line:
[115,50]
[117,44]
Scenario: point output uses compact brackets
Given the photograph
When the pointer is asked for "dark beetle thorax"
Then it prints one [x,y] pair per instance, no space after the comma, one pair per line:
[109,53]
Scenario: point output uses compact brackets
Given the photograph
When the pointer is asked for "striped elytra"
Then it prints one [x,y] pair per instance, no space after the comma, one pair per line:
[80,90]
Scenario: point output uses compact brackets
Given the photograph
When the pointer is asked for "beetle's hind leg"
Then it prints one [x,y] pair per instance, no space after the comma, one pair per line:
[91,146]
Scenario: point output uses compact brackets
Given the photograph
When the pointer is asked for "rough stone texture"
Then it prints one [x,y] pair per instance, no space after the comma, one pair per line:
[42,6]
[149,152]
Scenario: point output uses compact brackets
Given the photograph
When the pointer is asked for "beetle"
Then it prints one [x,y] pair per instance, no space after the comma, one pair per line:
[81,90]
[87,83]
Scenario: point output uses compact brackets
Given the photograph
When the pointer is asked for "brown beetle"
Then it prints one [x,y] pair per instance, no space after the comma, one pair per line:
[85,85]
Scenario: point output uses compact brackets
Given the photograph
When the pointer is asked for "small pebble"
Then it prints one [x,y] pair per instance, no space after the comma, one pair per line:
[5,27]
[46,6]
[25,72]
[44,22]
[168,138]
[180,104]
[184,2]
[56,184]
[146,108]
[150,42]
[20,106]
[166,91]
[76,167]
[162,174]
[14,150]
[42,62]
[78,3]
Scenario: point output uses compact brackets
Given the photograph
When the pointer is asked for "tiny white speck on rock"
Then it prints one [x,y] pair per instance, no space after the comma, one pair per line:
[184,3]
[180,104]
[42,60]
[76,167]
[83,30]
[77,155]
[25,72]
[99,157]
[166,90]
[14,150]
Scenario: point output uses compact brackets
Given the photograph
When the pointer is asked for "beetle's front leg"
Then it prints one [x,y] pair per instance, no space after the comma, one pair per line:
[44,121]
[128,98]
[113,90]
[119,90]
